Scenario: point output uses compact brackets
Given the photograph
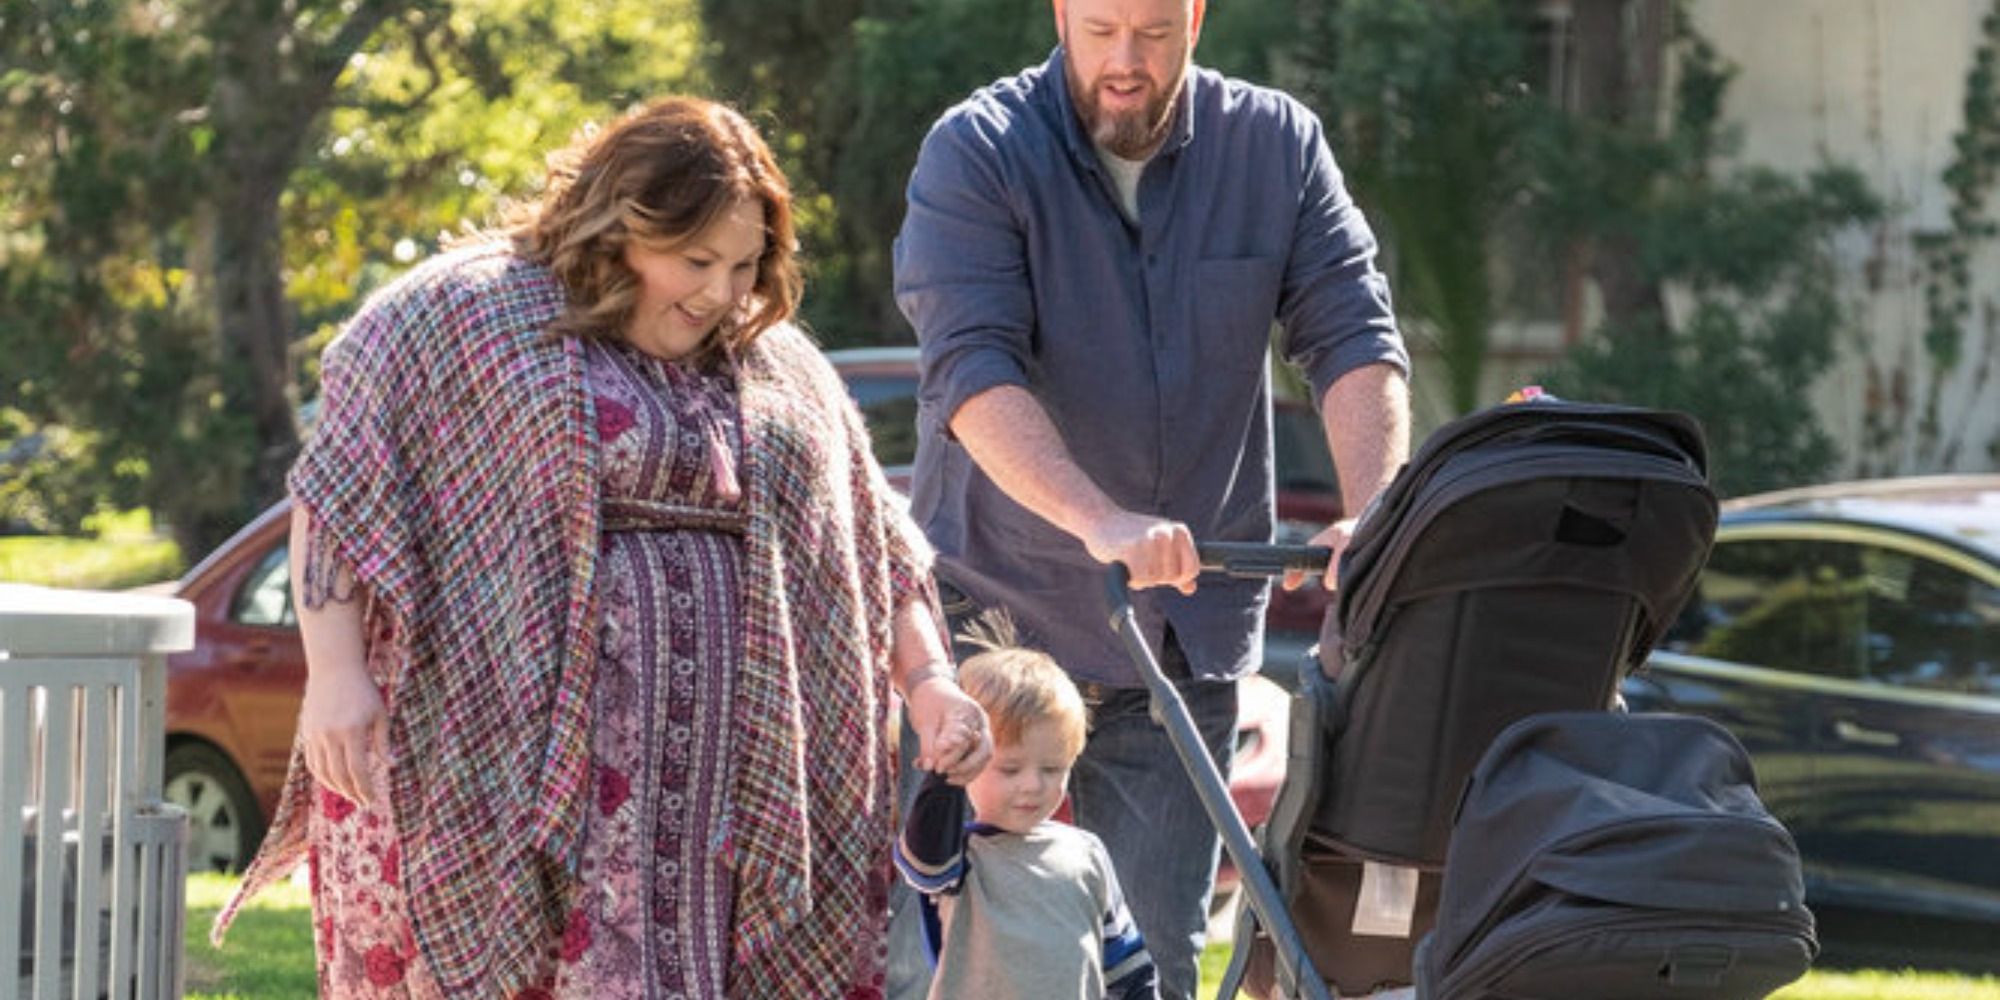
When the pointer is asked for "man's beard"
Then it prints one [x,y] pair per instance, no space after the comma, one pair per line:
[1131,135]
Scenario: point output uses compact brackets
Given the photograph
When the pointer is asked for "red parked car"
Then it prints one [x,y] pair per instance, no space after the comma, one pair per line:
[233,700]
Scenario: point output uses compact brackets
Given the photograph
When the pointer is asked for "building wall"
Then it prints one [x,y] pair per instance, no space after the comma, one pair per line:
[1877,84]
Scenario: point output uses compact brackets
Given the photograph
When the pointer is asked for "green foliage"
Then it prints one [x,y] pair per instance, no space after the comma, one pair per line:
[1740,382]
[791,69]
[1970,179]
[137,301]
[122,161]
[124,553]
[1752,251]
[912,60]
[1950,259]
[849,89]
[446,118]
[96,296]
[1429,109]
[1466,170]
[852,87]
[1751,254]
[42,483]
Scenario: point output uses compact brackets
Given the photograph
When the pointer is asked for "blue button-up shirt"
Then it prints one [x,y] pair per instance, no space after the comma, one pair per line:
[1145,342]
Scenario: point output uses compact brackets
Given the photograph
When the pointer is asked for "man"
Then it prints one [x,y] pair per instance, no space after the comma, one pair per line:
[1093,256]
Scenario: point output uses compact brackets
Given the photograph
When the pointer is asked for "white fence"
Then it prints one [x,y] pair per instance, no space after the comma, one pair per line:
[94,907]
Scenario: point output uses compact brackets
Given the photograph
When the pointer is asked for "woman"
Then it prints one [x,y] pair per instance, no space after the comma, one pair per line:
[603,597]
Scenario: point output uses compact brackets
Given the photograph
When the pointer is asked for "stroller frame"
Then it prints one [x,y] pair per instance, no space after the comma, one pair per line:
[1294,968]
[1610,517]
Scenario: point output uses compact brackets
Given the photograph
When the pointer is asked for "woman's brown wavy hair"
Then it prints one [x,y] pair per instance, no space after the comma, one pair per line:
[658,177]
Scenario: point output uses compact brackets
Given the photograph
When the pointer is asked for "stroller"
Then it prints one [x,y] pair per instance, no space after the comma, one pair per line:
[1522,563]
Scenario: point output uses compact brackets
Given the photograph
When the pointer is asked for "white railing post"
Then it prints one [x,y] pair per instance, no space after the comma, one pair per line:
[92,861]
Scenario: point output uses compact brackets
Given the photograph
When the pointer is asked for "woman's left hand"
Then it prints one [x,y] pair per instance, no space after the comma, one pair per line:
[951,728]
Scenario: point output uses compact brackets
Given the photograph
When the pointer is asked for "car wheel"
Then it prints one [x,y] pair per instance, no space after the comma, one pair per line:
[224,824]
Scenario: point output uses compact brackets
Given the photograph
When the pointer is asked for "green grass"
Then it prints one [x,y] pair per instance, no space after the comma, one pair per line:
[1890,986]
[269,956]
[126,552]
[1883,985]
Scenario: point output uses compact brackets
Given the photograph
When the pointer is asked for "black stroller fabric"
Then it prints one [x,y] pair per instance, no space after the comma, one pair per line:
[1526,558]
[1522,562]
[1609,855]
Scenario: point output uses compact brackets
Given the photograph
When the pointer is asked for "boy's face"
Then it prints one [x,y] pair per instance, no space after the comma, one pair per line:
[1024,782]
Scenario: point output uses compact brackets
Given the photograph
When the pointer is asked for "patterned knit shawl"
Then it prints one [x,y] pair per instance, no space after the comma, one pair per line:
[455,469]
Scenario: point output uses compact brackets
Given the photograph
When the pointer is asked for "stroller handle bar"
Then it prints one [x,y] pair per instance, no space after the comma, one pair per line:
[1237,559]
[1251,559]
[1293,968]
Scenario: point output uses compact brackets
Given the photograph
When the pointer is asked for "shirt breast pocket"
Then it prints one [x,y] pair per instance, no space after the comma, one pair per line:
[1235,303]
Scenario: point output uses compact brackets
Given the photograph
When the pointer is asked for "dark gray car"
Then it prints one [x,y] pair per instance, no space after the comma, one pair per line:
[1850,636]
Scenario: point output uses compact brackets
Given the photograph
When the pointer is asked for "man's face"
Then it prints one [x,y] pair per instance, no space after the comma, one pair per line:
[1125,62]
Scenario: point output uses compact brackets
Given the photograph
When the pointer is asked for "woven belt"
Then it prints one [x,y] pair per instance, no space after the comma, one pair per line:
[648,515]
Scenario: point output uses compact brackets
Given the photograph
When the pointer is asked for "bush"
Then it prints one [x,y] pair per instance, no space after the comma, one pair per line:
[124,552]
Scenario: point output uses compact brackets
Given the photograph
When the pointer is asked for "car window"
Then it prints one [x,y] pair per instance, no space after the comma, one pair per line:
[1930,626]
[1787,604]
[1303,464]
[889,405]
[266,595]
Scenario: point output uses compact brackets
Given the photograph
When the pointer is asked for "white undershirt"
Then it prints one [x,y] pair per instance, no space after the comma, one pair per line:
[1125,177]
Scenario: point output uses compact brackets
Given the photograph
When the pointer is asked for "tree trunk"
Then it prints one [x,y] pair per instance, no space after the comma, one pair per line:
[254,321]
[1620,50]
[271,85]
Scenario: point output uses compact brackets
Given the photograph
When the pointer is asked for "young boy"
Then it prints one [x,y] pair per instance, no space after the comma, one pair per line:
[1016,905]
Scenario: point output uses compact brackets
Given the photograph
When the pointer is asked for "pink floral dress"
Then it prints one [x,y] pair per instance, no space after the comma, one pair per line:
[651,917]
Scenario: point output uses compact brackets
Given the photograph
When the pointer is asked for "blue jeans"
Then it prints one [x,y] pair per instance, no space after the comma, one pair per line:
[1131,790]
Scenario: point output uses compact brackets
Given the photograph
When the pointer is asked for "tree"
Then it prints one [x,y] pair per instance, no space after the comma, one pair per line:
[853,86]
[1749,253]
[1621,48]
[912,61]
[181,217]
[1716,292]
[156,141]
[1425,97]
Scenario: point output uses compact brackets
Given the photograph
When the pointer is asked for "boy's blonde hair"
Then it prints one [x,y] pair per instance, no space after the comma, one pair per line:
[1019,687]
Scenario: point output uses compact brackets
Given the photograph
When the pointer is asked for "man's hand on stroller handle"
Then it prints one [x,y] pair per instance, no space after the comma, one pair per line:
[1333,541]
[1238,559]
[1155,552]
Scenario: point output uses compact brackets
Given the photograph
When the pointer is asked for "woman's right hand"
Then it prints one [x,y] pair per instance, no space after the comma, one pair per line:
[345,731]
[954,739]
[343,725]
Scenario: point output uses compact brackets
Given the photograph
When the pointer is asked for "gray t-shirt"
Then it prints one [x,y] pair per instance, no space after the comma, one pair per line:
[1029,919]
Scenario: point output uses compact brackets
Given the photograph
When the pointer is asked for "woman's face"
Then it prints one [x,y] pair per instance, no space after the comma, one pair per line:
[1025,781]
[685,291]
